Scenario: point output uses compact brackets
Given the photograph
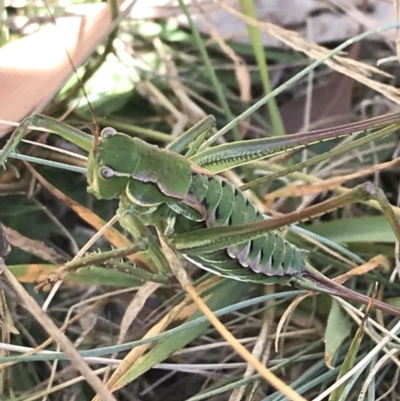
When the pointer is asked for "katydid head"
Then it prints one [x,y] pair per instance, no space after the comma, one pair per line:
[111,166]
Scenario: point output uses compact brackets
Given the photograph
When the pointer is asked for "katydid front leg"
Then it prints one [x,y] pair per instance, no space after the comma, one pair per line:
[153,253]
[77,137]
[191,139]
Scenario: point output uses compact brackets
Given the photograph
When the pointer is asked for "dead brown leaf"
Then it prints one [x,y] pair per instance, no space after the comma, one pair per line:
[330,103]
[34,68]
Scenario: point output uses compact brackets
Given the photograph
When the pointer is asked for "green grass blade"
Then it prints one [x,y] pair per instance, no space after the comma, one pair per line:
[231,308]
[348,363]
[297,77]
[230,293]
[210,69]
[259,53]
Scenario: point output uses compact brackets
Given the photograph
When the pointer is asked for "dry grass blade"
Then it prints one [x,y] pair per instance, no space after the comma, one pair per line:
[133,309]
[325,185]
[133,357]
[352,68]
[34,247]
[59,337]
[261,350]
[96,305]
[373,263]
[115,238]
[183,279]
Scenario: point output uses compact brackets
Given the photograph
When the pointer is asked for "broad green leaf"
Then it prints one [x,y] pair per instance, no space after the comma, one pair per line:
[337,330]
[356,229]
[348,364]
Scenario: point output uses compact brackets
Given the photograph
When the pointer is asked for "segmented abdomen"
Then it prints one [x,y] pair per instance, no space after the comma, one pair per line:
[225,205]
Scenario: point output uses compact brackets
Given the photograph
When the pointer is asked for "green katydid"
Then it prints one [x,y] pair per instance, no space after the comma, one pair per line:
[203,216]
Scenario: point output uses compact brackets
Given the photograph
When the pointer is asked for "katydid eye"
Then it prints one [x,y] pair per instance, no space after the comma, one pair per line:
[108,132]
[107,172]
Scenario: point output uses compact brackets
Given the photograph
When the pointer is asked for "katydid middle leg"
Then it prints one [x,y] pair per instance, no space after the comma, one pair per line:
[138,267]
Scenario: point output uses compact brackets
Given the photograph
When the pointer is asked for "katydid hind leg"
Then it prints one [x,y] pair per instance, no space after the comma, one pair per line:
[193,137]
[355,144]
[311,279]
[214,238]
[234,154]
[198,244]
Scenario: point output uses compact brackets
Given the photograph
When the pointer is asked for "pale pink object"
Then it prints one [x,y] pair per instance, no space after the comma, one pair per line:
[35,67]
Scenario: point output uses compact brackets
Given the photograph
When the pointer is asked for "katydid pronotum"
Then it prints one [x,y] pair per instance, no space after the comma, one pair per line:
[204,217]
